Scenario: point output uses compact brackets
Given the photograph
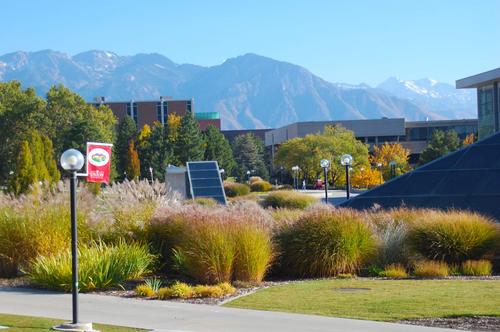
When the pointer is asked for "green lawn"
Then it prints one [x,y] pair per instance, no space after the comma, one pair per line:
[385,300]
[35,324]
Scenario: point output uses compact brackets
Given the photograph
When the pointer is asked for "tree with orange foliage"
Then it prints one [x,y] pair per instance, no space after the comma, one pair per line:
[366,178]
[469,139]
[388,152]
[133,164]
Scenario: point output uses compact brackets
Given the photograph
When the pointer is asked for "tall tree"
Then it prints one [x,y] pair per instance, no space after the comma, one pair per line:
[249,156]
[133,168]
[307,152]
[25,173]
[440,144]
[127,131]
[156,151]
[386,153]
[190,145]
[50,162]
[218,148]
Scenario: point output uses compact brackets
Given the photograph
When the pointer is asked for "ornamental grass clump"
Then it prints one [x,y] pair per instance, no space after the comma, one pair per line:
[38,224]
[394,271]
[325,242]
[234,189]
[476,268]
[289,200]
[213,244]
[144,290]
[101,267]
[453,236]
[124,210]
[431,269]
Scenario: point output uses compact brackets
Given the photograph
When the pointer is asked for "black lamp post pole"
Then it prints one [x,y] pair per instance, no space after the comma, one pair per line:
[326,185]
[347,181]
[74,251]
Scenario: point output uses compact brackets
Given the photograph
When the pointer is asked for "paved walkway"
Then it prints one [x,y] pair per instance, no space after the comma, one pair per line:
[179,317]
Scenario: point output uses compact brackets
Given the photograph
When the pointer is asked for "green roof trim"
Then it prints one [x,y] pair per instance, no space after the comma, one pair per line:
[207,115]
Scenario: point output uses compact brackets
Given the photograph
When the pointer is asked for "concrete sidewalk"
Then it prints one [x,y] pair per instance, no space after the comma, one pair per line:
[179,317]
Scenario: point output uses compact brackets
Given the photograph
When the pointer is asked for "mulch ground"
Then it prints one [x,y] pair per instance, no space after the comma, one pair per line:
[459,323]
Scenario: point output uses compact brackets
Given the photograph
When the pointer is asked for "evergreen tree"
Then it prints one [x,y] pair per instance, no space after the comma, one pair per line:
[440,144]
[161,152]
[25,173]
[127,131]
[190,145]
[50,162]
[249,156]
[38,155]
[133,167]
[218,148]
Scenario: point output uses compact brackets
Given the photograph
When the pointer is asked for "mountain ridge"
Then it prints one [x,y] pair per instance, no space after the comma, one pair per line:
[250,90]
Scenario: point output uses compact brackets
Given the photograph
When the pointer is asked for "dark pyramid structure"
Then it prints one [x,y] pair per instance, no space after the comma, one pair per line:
[468,179]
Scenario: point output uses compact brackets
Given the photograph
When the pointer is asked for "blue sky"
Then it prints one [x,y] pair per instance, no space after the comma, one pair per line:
[350,41]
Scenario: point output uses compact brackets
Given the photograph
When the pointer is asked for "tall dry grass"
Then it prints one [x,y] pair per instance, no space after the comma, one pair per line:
[325,242]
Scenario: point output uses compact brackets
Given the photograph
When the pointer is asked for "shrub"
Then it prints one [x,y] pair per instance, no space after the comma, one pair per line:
[208,291]
[345,276]
[260,186]
[325,242]
[288,199]
[154,284]
[213,244]
[164,293]
[234,189]
[453,236]
[204,201]
[181,290]
[476,268]
[101,266]
[395,271]
[144,290]
[227,288]
[254,179]
[431,269]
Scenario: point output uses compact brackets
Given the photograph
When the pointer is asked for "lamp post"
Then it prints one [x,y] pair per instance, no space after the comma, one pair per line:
[393,164]
[295,170]
[151,172]
[281,174]
[222,171]
[379,166]
[72,161]
[325,163]
[248,176]
[346,160]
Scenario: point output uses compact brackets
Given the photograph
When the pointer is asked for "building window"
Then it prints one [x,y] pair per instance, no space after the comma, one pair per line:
[383,139]
[189,106]
[132,111]
[485,111]
[165,112]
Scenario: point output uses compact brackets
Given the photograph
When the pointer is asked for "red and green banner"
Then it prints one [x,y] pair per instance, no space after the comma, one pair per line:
[98,162]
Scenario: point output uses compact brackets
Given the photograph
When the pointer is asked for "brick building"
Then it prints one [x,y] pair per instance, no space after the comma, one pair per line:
[149,111]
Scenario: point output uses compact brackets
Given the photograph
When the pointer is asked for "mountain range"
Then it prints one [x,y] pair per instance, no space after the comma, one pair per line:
[249,91]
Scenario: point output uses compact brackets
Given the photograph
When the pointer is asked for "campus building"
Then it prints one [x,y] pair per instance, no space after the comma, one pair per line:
[147,112]
[413,135]
[488,100]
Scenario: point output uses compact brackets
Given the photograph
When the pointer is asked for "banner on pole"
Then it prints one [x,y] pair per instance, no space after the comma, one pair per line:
[98,162]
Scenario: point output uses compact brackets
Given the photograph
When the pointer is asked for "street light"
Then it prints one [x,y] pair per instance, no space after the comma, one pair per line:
[72,161]
[295,170]
[393,164]
[379,166]
[346,160]
[151,172]
[325,163]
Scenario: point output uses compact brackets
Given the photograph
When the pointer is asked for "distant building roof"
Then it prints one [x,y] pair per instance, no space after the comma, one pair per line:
[479,79]
[468,179]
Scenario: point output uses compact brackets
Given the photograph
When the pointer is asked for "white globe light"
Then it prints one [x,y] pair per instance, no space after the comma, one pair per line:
[346,160]
[72,160]
[325,163]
